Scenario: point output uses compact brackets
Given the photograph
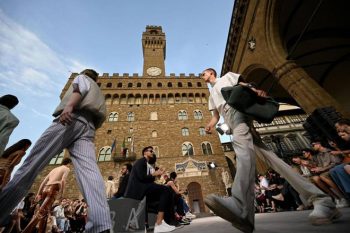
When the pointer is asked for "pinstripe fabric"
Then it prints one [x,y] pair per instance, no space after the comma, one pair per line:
[78,138]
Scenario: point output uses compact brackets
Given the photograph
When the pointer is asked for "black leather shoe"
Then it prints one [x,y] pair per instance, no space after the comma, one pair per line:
[105,231]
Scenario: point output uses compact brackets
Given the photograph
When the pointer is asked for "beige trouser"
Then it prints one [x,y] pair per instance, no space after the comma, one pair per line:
[247,144]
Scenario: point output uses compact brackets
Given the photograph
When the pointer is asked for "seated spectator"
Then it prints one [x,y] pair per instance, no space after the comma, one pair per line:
[8,121]
[341,173]
[260,199]
[321,176]
[181,215]
[123,180]
[264,187]
[10,158]
[301,166]
[110,187]
[141,184]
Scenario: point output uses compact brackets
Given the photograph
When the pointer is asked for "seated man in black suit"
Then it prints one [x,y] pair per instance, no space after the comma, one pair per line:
[141,184]
[123,180]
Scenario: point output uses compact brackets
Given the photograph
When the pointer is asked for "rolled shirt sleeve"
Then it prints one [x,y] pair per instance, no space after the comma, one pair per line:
[81,85]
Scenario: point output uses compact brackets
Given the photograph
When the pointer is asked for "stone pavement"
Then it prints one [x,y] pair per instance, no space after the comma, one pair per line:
[281,222]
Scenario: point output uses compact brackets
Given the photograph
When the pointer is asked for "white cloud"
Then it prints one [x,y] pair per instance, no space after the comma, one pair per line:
[28,64]
[49,117]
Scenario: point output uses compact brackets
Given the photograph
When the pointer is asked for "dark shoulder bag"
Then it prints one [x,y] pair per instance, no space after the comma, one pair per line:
[245,100]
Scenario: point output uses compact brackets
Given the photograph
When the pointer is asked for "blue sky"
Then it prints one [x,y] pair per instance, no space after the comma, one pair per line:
[42,41]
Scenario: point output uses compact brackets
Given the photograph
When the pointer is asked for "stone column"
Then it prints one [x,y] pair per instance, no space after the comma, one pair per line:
[303,88]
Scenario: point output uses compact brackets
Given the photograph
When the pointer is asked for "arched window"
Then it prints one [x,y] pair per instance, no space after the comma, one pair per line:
[170,84]
[206,148]
[109,85]
[104,154]
[198,115]
[154,116]
[189,84]
[120,85]
[108,99]
[154,134]
[159,85]
[122,99]
[202,131]
[199,84]
[58,158]
[115,99]
[187,149]
[129,84]
[149,84]
[182,115]
[179,84]
[185,132]
[138,84]
[113,116]
[131,116]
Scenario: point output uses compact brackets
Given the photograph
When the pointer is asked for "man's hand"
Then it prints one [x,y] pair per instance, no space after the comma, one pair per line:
[66,115]
[209,129]
[159,172]
[259,92]
[316,169]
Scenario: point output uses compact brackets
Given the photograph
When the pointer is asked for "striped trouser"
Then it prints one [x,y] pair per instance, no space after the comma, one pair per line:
[78,139]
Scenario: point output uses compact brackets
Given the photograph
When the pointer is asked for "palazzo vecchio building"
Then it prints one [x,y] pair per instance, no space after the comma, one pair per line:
[166,111]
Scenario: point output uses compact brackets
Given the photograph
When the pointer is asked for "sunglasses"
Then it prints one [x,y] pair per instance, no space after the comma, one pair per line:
[150,150]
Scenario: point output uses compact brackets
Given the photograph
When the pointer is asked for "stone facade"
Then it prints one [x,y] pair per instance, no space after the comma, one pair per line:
[168,112]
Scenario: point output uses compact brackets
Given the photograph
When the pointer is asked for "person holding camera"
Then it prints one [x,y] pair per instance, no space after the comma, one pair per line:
[239,209]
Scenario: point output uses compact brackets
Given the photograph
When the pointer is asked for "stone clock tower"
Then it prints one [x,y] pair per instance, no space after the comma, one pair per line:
[153,45]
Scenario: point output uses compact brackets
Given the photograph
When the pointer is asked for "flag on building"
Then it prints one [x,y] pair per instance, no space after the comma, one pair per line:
[122,151]
[113,147]
[132,149]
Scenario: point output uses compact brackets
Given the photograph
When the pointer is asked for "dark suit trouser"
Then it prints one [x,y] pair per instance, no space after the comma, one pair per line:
[161,193]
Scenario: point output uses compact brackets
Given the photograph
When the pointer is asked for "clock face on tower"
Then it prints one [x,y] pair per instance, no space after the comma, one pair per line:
[154,71]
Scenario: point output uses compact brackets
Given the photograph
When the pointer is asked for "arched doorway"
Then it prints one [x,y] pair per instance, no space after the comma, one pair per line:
[195,197]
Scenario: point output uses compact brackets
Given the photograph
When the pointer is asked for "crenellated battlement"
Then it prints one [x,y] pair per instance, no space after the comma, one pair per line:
[136,75]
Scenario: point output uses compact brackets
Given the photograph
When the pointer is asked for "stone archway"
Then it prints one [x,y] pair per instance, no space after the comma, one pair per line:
[195,197]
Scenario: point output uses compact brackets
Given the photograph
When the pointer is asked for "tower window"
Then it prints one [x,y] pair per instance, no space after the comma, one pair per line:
[154,116]
[185,132]
[182,115]
[131,116]
[109,85]
[105,154]
[198,115]
[206,148]
[149,84]
[187,149]
[202,131]
[113,116]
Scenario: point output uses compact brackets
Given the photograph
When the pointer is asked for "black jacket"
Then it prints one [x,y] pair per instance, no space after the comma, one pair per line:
[138,180]
[122,186]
